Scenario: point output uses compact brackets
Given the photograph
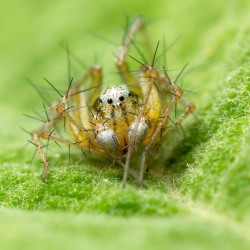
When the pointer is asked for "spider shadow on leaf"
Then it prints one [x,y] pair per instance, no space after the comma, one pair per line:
[178,152]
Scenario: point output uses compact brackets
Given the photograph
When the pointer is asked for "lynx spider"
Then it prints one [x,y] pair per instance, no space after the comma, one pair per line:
[121,120]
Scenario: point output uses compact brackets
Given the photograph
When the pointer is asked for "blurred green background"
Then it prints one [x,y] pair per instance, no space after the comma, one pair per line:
[199,194]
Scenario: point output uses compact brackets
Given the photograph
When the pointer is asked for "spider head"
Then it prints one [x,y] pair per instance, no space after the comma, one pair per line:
[115,96]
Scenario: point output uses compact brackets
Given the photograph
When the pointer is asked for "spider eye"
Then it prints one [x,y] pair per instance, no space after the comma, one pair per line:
[121,98]
[109,100]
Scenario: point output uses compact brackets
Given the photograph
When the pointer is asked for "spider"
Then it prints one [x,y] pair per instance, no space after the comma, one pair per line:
[121,122]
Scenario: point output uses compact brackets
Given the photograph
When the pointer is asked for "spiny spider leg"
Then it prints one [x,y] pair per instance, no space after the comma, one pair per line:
[77,93]
[150,102]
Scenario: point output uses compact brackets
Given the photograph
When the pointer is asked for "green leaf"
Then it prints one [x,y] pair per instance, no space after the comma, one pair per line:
[199,187]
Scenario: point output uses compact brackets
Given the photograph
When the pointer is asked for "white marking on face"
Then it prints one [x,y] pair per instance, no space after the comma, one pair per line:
[115,95]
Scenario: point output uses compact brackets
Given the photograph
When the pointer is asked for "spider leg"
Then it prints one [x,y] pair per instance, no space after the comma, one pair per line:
[154,135]
[121,61]
[127,76]
[48,136]
[176,92]
[36,140]
[37,134]
[76,97]
[148,76]
[94,75]
[83,145]
[190,108]
[149,113]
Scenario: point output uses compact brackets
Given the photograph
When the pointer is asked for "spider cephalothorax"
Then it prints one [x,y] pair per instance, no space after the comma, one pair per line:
[114,118]
[117,122]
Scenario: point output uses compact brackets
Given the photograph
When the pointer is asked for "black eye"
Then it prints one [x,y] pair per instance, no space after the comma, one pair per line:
[121,98]
[109,101]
